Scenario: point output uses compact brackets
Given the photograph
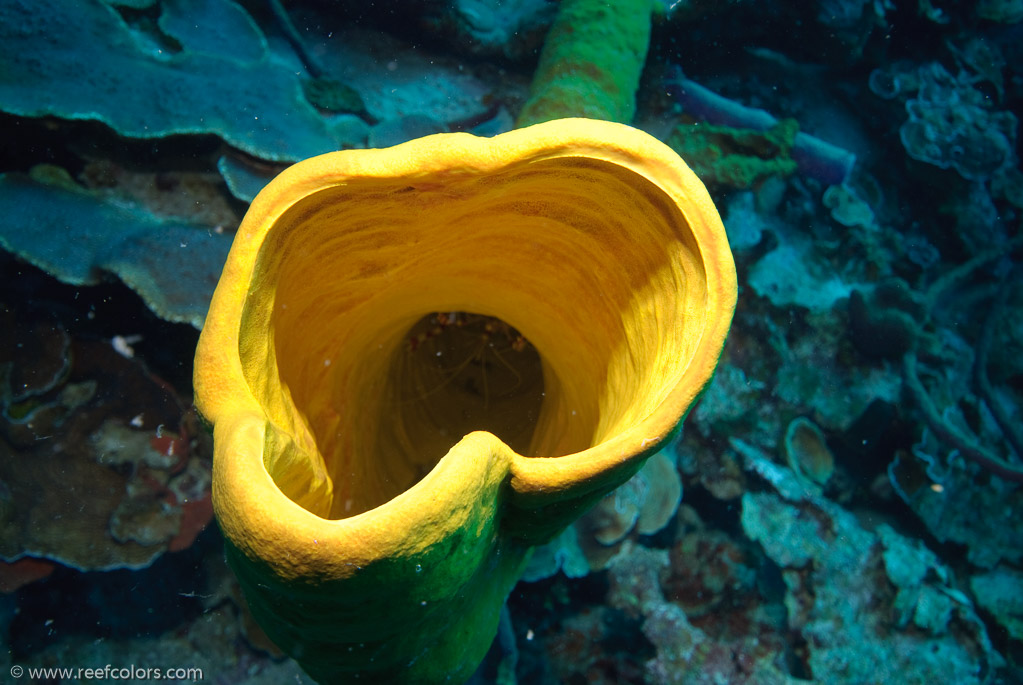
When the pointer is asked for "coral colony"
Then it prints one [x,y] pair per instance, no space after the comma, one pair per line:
[840,504]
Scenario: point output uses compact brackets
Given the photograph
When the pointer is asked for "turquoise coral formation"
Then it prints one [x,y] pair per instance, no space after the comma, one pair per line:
[78,237]
[142,89]
[951,125]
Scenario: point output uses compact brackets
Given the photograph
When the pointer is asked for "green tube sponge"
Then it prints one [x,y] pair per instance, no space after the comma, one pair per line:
[591,62]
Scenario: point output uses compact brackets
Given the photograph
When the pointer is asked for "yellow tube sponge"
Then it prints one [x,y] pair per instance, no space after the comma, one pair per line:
[381,470]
